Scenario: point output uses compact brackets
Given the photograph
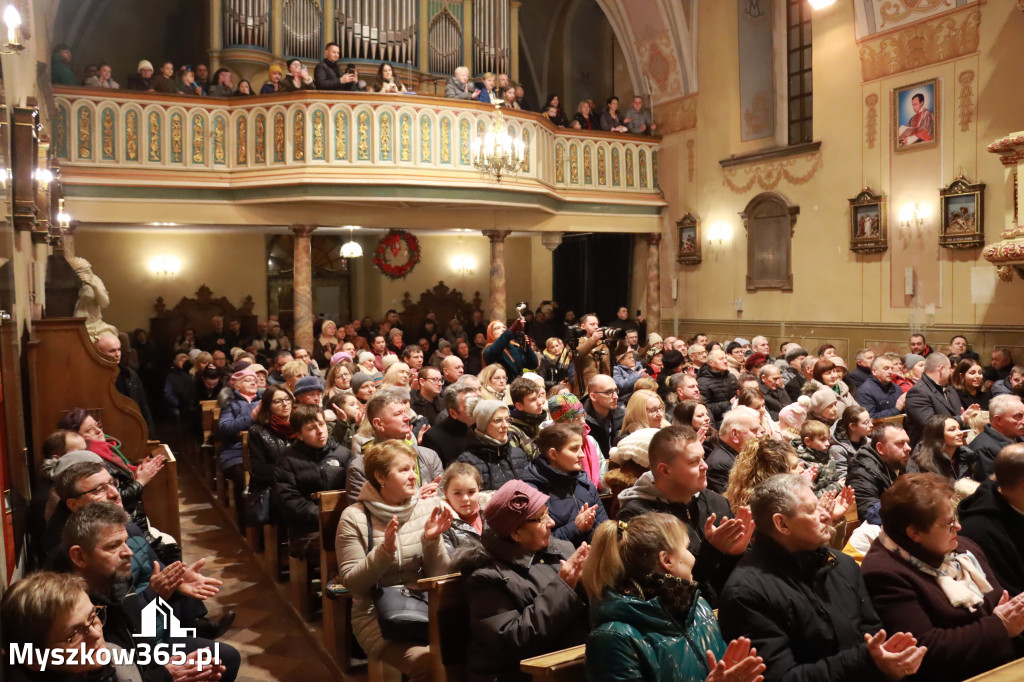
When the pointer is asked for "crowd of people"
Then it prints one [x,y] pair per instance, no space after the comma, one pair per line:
[655,498]
[330,74]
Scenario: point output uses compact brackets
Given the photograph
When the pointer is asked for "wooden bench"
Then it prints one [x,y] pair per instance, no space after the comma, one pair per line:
[449,626]
[161,494]
[337,606]
[896,419]
[1011,672]
[566,665]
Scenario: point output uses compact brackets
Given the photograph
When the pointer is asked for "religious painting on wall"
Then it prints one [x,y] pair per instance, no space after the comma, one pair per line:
[868,229]
[962,215]
[915,115]
[688,229]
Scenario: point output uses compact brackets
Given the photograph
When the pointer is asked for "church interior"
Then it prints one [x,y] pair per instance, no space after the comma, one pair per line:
[814,174]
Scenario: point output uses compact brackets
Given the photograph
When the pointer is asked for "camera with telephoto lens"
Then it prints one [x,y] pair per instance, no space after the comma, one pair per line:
[613,333]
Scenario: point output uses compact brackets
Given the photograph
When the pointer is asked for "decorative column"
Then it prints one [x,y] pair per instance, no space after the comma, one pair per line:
[302,287]
[513,37]
[423,37]
[467,37]
[328,22]
[277,33]
[216,34]
[653,281]
[498,308]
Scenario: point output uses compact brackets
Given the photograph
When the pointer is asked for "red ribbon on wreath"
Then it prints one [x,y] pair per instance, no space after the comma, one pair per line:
[393,241]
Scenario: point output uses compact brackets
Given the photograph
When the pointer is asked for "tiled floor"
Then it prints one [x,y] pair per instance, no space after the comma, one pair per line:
[267,632]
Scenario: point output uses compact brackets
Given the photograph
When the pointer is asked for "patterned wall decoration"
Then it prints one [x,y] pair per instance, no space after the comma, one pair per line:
[241,135]
[279,137]
[464,142]
[425,138]
[795,170]
[220,155]
[629,168]
[574,164]
[319,135]
[879,16]
[198,139]
[363,135]
[61,131]
[654,168]
[340,135]
[871,120]
[588,171]
[155,147]
[260,145]
[757,88]
[616,180]
[299,134]
[526,153]
[386,123]
[446,140]
[559,163]
[84,133]
[107,134]
[177,137]
[966,98]
[642,162]
[131,136]
[677,115]
[405,137]
[928,42]
[602,178]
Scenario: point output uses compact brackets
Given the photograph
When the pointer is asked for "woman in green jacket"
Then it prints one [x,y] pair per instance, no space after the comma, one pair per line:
[650,622]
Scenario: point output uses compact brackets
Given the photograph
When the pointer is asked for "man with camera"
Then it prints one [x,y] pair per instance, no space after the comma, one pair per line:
[328,75]
[593,356]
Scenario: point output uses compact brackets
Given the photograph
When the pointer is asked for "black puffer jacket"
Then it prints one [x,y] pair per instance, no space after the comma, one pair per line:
[266,450]
[717,389]
[497,464]
[566,494]
[304,471]
[869,477]
[998,528]
[519,607]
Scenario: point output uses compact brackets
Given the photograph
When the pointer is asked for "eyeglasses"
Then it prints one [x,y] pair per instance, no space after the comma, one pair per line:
[81,631]
[281,401]
[610,391]
[656,410]
[434,379]
[102,487]
[951,526]
[546,516]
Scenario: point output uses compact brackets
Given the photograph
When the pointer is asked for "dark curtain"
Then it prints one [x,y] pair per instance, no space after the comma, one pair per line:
[592,273]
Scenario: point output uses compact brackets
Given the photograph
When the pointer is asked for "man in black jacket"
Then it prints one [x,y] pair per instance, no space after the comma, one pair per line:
[876,466]
[740,424]
[677,484]
[604,414]
[862,372]
[994,518]
[772,387]
[1005,427]
[717,385]
[804,606]
[128,382]
[328,75]
[447,436]
[932,395]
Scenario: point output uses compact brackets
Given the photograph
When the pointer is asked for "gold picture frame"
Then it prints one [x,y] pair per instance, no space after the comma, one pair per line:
[915,115]
[869,225]
[962,220]
[688,230]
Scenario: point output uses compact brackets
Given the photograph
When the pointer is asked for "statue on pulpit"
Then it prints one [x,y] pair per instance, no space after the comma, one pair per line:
[92,299]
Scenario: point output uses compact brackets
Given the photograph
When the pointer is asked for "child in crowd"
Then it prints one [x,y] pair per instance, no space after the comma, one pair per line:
[527,415]
[349,412]
[461,488]
[813,448]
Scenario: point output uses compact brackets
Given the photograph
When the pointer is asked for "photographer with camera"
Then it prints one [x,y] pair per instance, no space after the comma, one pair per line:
[328,74]
[593,356]
[510,346]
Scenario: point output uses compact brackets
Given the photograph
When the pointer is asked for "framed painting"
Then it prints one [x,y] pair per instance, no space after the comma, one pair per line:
[962,215]
[869,232]
[915,115]
[688,229]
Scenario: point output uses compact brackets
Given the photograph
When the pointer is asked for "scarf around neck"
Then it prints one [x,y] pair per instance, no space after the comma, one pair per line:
[384,511]
[591,457]
[960,576]
[281,426]
[110,450]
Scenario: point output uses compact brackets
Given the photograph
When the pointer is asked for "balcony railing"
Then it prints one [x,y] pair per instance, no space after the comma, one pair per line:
[335,137]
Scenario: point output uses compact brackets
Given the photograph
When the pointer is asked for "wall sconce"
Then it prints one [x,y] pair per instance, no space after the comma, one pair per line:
[821,4]
[63,219]
[351,248]
[911,216]
[44,176]
[463,264]
[12,20]
[719,233]
[165,266]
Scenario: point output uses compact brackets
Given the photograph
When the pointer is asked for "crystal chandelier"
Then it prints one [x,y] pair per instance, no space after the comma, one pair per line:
[351,248]
[496,153]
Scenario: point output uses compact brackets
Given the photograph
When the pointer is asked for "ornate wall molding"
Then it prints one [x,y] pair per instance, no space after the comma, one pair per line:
[966,99]
[794,170]
[677,115]
[927,42]
[871,120]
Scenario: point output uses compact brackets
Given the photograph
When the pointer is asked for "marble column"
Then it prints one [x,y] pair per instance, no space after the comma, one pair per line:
[653,282]
[302,287]
[498,308]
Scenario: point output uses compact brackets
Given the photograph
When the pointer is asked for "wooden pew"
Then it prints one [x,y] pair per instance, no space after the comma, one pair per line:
[337,604]
[1011,672]
[253,534]
[449,626]
[566,665]
[161,495]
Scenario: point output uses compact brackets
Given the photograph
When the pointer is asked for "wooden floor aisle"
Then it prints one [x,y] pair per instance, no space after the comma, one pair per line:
[267,631]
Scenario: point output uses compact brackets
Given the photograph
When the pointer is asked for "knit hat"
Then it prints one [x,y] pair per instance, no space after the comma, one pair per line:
[443,344]
[633,448]
[911,359]
[839,362]
[276,67]
[511,505]
[483,412]
[755,361]
[821,399]
[654,338]
[144,64]
[259,369]
[241,374]
[792,416]
[795,353]
[565,408]
[240,365]
[741,341]
[364,356]
[341,356]
[358,379]
[75,457]
[307,384]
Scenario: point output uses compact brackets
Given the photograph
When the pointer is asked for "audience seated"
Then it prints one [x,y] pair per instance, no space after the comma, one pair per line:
[387,80]
[163,81]
[803,606]
[102,79]
[878,392]
[458,86]
[447,436]
[488,448]
[44,497]
[128,382]
[643,411]
[926,580]
[638,120]
[647,610]
[244,89]
[1005,427]
[941,451]
[274,76]
[933,395]
[527,416]
[270,435]
[522,586]
[610,120]
[877,465]
[298,78]
[391,535]
[220,84]
[460,487]
[968,381]
[740,425]
[852,431]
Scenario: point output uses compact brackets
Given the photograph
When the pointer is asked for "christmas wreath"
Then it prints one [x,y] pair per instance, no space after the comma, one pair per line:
[393,242]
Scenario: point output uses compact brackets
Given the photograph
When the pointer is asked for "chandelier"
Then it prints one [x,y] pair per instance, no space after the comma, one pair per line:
[351,248]
[496,153]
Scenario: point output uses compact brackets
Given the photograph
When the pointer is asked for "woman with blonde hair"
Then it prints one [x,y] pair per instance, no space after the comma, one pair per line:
[326,345]
[647,609]
[292,372]
[645,410]
[494,383]
[202,361]
[399,374]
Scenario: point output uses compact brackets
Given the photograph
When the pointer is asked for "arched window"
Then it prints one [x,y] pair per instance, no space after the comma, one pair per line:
[769,221]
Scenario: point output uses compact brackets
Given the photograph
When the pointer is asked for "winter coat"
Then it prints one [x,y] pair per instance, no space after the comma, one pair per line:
[842,452]
[625,377]
[712,567]
[523,429]
[360,572]
[857,377]
[518,606]
[515,358]
[878,399]
[447,437]
[828,473]
[130,385]
[428,467]
[981,398]
[869,477]
[180,395]
[806,613]
[1001,387]
[633,639]
[774,399]
[60,70]
[961,466]
[300,473]
[987,444]
[497,463]
[607,431]
[961,643]
[927,398]
[989,520]
[566,494]
[593,357]
[555,370]
[235,417]
[795,385]
[720,461]
[456,89]
[717,389]
[461,534]
[426,408]
[266,450]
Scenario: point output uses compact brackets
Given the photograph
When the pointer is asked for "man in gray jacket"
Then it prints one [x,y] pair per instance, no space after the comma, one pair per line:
[638,119]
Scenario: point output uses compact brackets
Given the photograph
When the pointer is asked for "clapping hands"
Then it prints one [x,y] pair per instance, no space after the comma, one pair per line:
[732,535]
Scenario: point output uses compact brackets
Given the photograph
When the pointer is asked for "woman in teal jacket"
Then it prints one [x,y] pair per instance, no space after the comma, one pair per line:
[650,622]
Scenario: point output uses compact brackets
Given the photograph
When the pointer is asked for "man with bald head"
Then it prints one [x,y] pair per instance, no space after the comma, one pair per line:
[452,369]
[128,382]
[933,395]
[603,412]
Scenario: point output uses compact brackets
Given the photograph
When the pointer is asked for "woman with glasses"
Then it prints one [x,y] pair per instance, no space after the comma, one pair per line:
[269,436]
[522,585]
[494,383]
[645,410]
[941,451]
[488,448]
[926,580]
